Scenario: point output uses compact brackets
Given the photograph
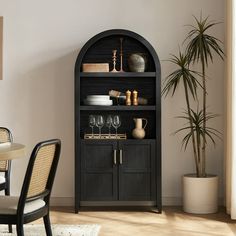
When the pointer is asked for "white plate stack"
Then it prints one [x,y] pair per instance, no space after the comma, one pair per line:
[98,100]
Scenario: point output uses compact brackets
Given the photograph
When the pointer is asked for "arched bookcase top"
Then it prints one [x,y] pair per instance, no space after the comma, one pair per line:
[109,34]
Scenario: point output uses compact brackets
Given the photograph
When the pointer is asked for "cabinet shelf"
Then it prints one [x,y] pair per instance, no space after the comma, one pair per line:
[137,141]
[118,74]
[117,108]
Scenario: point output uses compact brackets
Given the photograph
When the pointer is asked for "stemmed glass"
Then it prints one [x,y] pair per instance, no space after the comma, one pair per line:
[116,123]
[92,123]
[109,124]
[100,124]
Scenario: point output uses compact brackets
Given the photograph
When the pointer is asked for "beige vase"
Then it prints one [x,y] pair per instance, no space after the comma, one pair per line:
[139,131]
[200,195]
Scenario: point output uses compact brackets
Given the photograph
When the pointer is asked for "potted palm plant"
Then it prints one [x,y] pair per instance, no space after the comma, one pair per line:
[200,190]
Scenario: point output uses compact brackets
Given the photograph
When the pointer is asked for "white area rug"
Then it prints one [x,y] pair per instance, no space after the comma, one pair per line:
[57,230]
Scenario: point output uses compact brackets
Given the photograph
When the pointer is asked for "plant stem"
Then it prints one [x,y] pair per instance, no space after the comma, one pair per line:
[199,153]
[203,161]
[192,131]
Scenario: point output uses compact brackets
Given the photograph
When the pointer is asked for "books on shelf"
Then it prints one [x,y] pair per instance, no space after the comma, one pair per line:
[95,67]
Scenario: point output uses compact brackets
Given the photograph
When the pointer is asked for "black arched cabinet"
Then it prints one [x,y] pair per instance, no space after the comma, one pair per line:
[137,177]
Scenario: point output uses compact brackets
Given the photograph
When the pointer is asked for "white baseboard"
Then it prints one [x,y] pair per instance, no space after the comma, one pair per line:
[171,201]
[116,203]
[69,201]
[62,201]
[166,201]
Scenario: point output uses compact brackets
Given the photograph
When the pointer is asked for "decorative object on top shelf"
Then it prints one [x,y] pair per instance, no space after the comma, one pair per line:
[128,98]
[98,100]
[121,55]
[122,96]
[137,62]
[95,67]
[139,130]
[114,60]
[135,98]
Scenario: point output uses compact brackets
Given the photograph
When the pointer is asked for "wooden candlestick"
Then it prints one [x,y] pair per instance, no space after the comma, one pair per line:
[114,60]
[121,55]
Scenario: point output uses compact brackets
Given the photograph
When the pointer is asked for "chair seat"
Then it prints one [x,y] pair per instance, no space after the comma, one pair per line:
[2,180]
[8,205]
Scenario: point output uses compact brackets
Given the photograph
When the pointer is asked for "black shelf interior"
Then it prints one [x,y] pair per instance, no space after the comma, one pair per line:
[118,74]
[100,83]
[127,122]
[101,52]
[102,86]
[118,108]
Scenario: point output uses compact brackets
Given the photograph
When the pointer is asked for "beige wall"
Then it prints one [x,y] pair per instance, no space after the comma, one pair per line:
[1,43]
[41,43]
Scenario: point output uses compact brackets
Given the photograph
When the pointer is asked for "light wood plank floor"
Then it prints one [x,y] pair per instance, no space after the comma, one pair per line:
[147,223]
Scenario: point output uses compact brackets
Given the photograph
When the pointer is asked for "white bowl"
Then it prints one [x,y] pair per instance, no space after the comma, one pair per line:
[98,103]
[99,97]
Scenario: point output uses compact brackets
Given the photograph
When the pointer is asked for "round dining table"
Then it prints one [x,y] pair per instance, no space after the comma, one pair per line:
[10,151]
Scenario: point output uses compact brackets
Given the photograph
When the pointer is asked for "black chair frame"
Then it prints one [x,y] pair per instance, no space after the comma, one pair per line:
[19,219]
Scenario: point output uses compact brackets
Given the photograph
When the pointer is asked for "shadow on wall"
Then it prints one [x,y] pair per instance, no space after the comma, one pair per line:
[49,113]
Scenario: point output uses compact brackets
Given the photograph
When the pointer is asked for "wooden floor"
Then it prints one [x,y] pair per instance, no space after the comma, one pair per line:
[147,223]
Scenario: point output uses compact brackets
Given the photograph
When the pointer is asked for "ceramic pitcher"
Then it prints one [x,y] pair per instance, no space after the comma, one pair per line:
[139,130]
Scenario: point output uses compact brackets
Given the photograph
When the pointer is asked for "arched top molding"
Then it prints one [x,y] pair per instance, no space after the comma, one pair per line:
[117,32]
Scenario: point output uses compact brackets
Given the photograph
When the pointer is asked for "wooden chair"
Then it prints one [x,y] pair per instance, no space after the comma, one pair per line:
[5,166]
[33,202]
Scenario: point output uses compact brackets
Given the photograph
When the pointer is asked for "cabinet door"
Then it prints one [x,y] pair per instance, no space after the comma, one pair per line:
[99,170]
[137,170]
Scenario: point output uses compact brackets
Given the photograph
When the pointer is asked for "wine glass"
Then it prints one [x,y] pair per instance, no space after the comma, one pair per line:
[116,123]
[109,124]
[92,123]
[100,124]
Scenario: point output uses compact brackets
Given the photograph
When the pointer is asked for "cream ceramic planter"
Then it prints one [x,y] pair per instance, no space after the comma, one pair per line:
[200,195]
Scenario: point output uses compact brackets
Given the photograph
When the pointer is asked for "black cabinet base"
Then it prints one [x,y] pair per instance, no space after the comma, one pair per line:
[134,208]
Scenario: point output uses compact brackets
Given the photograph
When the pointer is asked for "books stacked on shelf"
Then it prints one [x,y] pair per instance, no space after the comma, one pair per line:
[95,67]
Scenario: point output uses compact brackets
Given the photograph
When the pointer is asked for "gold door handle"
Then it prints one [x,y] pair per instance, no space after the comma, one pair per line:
[121,157]
[114,157]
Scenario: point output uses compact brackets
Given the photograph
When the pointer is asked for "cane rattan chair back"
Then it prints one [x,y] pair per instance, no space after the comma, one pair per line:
[5,166]
[41,170]
[5,136]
